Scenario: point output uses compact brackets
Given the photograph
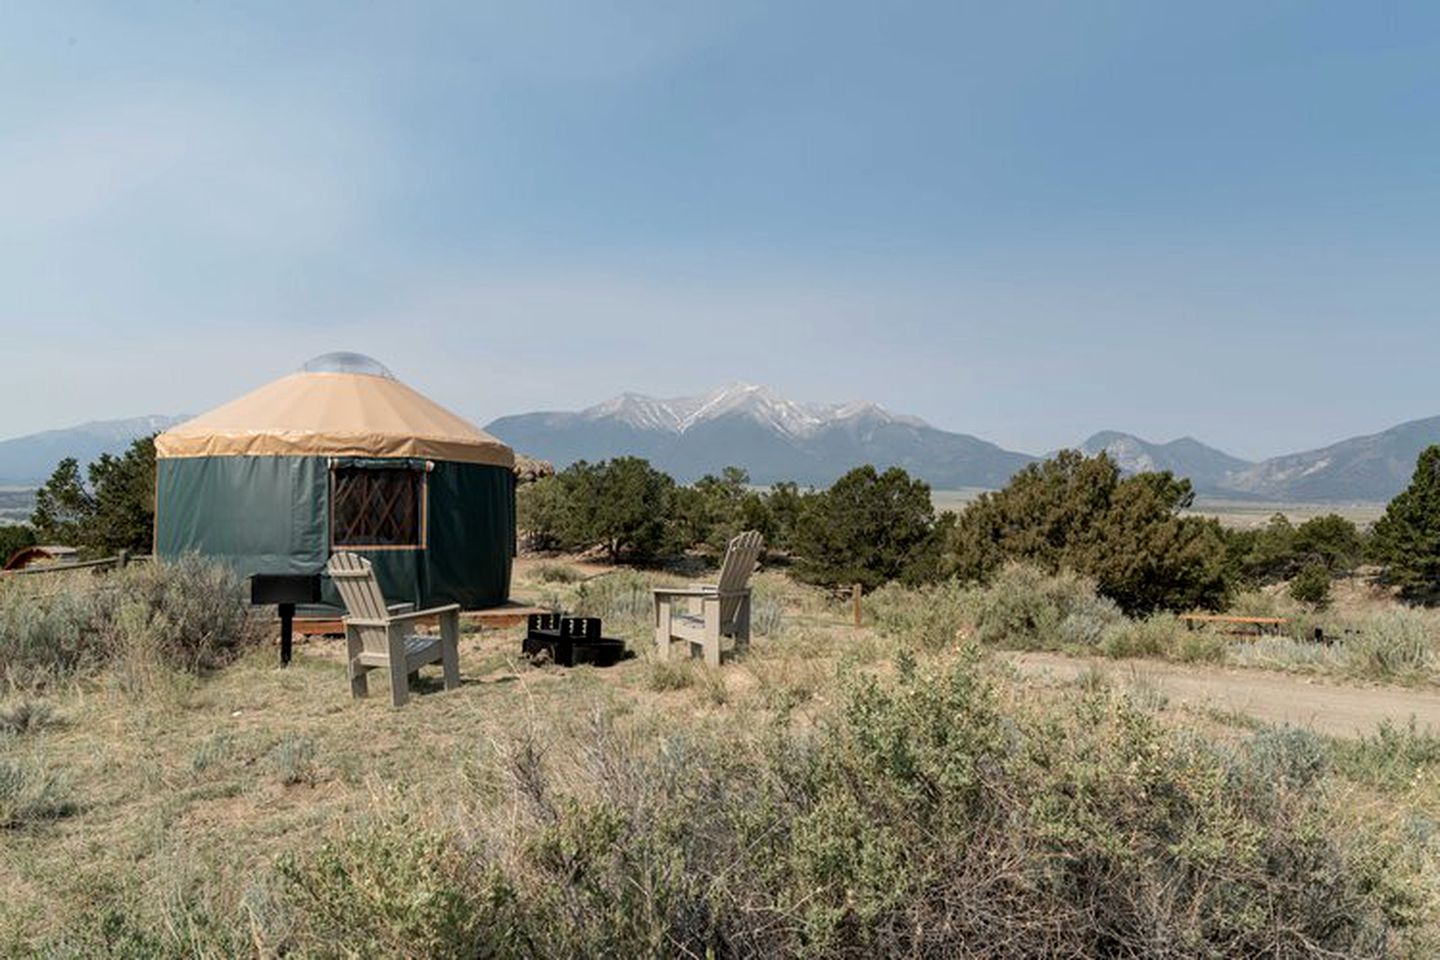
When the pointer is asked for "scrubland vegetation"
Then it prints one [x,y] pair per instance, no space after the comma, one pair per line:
[1131,536]
[140,621]
[888,791]
[896,789]
[1023,608]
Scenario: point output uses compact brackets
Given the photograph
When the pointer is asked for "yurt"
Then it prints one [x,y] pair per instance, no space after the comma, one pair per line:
[341,456]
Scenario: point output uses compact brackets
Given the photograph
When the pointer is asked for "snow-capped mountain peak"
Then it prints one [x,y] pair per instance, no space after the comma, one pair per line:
[641,412]
[772,437]
[758,403]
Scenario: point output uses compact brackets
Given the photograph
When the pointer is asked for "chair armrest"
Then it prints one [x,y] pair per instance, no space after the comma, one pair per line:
[395,608]
[431,612]
[705,593]
[684,591]
[452,608]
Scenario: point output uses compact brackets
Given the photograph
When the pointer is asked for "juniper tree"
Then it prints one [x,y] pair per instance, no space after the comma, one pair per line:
[15,536]
[1406,540]
[868,528]
[1076,512]
[112,509]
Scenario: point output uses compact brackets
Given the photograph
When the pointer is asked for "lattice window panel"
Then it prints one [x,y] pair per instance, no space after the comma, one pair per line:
[377,508]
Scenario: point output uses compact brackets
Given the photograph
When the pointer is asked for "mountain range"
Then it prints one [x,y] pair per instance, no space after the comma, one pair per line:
[1371,468]
[779,439]
[1208,468]
[771,437]
[774,439]
[28,460]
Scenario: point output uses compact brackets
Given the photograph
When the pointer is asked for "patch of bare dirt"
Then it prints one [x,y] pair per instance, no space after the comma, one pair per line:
[1279,698]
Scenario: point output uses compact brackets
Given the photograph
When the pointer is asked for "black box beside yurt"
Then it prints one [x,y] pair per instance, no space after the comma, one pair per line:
[341,456]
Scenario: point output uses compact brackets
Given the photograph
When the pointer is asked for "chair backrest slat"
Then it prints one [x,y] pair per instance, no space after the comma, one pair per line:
[740,559]
[359,588]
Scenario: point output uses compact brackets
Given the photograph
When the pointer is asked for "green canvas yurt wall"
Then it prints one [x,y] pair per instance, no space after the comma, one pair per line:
[342,457]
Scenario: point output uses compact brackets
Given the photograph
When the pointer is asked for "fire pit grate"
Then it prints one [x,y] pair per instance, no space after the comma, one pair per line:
[570,641]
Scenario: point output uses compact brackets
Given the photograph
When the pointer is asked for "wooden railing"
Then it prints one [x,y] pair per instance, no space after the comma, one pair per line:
[122,559]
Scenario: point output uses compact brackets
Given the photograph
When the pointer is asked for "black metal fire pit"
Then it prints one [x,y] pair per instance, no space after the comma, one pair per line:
[570,641]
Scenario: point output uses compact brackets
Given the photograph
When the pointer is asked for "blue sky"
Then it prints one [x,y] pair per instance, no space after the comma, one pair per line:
[1028,221]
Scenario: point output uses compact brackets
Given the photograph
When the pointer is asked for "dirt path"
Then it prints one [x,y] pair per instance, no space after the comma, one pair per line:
[1270,697]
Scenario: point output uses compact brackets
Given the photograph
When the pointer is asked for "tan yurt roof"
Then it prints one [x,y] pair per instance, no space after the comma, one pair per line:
[338,405]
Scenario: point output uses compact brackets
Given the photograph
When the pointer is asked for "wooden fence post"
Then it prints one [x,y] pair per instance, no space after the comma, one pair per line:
[855,599]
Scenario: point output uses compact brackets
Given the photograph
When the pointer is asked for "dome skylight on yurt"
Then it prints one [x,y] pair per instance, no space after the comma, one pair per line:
[343,361]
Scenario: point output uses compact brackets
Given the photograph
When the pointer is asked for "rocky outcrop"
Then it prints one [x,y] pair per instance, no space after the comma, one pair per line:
[529,469]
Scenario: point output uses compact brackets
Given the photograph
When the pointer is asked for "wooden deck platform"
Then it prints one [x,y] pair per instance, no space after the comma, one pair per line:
[508,615]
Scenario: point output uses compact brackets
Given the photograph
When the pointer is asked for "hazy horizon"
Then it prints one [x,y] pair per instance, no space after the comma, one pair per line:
[1074,443]
[1028,223]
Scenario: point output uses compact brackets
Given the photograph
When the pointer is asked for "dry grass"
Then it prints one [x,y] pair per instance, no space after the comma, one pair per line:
[181,803]
[1366,635]
[228,773]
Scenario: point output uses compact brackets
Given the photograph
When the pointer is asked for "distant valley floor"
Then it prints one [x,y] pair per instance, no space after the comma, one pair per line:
[16,504]
[1240,514]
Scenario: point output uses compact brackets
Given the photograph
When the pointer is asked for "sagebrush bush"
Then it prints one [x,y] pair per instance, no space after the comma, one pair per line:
[623,599]
[922,818]
[48,635]
[194,611]
[190,615]
[1286,653]
[1391,757]
[1153,636]
[1027,608]
[1286,755]
[293,759]
[30,793]
[215,749]
[190,928]
[398,890]
[767,615]
[26,716]
[1022,608]
[784,684]
[1262,603]
[1201,646]
[556,573]
[670,675]
[928,618]
[1394,642]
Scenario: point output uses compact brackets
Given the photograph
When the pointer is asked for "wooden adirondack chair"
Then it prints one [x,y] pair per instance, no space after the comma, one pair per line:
[378,637]
[713,610]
